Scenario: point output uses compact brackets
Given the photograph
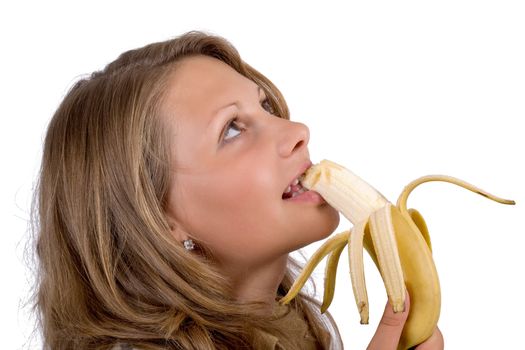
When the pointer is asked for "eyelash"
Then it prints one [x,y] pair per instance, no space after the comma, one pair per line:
[233,122]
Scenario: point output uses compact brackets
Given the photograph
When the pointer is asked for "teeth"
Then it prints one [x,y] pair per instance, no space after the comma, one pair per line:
[292,188]
[294,183]
[302,190]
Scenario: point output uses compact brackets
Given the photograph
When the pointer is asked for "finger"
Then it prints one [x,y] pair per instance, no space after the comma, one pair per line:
[435,342]
[390,328]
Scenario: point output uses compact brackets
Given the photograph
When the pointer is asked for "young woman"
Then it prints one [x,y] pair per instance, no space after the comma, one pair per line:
[161,216]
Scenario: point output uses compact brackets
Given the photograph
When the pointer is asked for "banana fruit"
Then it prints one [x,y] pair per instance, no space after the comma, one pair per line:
[396,238]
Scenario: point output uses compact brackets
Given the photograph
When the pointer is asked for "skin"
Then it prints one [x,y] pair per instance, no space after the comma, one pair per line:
[228,181]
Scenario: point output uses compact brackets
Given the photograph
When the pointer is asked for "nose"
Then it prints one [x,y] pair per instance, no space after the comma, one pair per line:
[294,138]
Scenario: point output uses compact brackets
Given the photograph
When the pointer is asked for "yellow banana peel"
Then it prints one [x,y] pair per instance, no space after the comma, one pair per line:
[396,238]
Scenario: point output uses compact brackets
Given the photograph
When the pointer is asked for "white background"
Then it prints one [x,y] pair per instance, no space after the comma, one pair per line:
[391,89]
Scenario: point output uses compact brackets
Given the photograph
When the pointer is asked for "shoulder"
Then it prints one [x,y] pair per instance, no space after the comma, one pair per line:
[266,340]
[296,326]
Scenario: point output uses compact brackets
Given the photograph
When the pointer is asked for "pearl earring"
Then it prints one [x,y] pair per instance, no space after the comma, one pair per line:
[188,244]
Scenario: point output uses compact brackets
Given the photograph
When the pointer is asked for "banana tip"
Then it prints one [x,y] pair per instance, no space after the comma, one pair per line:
[283,301]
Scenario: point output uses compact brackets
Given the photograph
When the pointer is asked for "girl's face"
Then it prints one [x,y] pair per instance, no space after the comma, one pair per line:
[229,178]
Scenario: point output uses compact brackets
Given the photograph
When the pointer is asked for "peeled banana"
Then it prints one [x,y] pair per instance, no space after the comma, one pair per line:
[396,238]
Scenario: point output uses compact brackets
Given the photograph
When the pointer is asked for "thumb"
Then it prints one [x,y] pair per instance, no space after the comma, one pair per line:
[390,328]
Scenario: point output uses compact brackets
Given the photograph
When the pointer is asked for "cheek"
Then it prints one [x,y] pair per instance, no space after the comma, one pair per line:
[247,186]
[229,213]
[241,203]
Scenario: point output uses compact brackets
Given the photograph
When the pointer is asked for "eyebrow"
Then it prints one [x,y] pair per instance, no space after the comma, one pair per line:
[259,89]
[215,114]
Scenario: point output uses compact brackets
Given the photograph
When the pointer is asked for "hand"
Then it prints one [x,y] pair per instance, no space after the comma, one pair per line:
[390,327]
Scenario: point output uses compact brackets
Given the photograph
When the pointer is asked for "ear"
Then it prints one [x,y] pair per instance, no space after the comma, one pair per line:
[179,233]
[176,229]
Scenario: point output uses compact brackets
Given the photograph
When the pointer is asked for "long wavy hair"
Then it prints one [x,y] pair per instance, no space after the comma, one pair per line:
[109,270]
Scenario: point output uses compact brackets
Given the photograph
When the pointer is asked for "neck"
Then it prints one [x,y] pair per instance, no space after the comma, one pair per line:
[259,283]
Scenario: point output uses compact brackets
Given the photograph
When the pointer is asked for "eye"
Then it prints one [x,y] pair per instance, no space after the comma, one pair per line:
[267,105]
[231,125]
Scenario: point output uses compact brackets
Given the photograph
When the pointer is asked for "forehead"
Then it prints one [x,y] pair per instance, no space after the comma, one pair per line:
[199,83]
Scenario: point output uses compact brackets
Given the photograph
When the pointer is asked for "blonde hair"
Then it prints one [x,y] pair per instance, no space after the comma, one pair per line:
[109,269]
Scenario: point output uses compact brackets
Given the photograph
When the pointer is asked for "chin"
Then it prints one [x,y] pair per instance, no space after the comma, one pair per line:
[323,227]
[333,219]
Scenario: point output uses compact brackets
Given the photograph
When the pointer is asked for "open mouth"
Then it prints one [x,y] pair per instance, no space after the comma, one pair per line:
[294,189]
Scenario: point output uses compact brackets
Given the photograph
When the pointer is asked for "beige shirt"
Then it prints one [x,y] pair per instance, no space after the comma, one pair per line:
[295,324]
[292,321]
